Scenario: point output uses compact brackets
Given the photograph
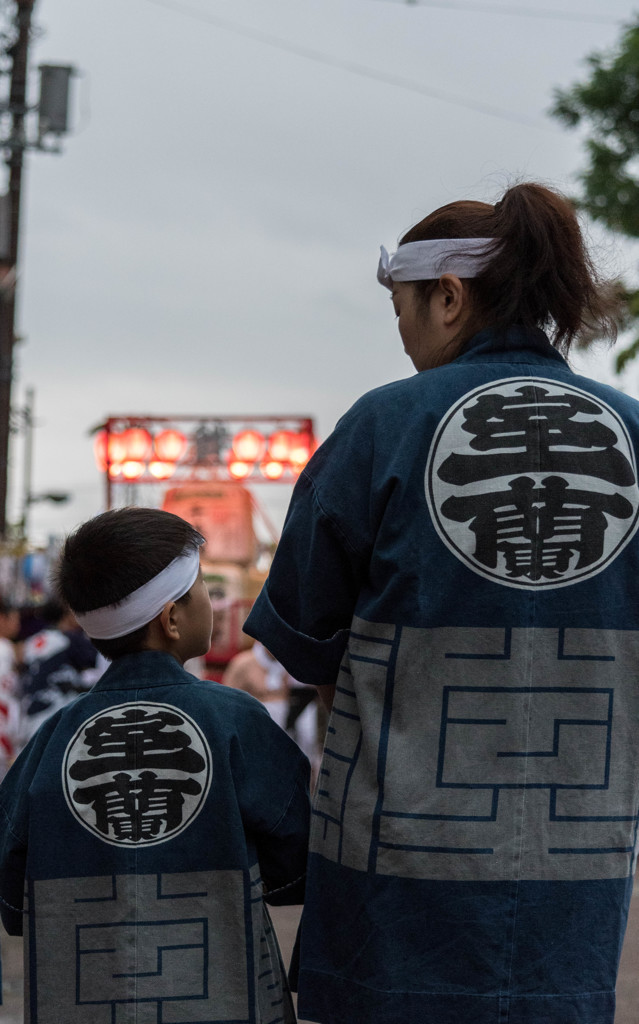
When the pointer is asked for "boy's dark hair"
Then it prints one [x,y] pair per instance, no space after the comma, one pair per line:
[110,556]
[52,611]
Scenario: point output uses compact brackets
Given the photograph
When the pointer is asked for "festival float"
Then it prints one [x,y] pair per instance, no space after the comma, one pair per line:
[204,469]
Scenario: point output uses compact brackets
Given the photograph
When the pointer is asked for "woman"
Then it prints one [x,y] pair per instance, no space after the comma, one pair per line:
[459,568]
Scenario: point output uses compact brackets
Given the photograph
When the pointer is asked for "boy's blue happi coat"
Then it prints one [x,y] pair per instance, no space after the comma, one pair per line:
[142,823]
[461,557]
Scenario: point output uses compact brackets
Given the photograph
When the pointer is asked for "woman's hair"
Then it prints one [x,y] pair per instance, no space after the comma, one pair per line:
[110,556]
[541,274]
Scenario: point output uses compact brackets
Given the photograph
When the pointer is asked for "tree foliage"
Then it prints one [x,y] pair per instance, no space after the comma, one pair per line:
[607,104]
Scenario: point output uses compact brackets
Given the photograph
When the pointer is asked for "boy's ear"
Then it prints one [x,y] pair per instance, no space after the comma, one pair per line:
[168,621]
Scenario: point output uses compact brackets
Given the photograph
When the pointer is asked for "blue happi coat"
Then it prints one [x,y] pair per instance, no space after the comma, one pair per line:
[461,557]
[143,823]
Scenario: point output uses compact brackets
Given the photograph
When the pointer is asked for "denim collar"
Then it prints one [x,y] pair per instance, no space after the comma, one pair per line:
[515,342]
[146,668]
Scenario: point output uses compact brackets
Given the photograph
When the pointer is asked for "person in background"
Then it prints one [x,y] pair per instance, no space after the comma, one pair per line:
[459,575]
[9,700]
[306,722]
[293,705]
[257,672]
[58,663]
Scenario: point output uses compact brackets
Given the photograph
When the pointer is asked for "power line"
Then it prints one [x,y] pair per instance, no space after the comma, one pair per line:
[351,66]
[524,12]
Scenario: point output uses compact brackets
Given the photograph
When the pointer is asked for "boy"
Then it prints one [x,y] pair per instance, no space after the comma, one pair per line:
[143,821]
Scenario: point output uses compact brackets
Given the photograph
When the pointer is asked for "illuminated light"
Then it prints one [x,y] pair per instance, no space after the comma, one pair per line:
[239,470]
[169,445]
[272,469]
[138,442]
[100,450]
[115,469]
[132,469]
[300,451]
[248,445]
[279,445]
[161,470]
[116,446]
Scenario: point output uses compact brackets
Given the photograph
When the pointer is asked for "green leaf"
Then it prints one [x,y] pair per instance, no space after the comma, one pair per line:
[606,104]
[627,355]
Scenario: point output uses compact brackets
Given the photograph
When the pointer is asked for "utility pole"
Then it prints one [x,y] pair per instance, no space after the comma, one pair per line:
[15,145]
[28,497]
[27,472]
[52,111]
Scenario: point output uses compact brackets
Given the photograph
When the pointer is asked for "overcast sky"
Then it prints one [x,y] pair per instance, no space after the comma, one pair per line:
[208,240]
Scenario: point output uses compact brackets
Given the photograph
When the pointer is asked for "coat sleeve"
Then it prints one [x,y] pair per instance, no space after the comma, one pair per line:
[14,827]
[272,781]
[12,869]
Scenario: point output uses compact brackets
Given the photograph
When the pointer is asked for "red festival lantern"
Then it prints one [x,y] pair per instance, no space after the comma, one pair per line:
[300,451]
[238,469]
[132,469]
[279,446]
[161,470]
[100,450]
[272,469]
[137,442]
[116,448]
[248,445]
[169,445]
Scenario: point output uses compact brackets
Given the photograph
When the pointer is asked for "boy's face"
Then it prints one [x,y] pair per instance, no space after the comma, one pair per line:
[197,621]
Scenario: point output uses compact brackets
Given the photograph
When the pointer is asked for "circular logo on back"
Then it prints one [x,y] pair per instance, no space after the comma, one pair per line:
[532,483]
[137,774]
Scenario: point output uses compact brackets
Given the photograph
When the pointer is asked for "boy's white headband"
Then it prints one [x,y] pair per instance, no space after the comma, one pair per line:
[427,261]
[146,602]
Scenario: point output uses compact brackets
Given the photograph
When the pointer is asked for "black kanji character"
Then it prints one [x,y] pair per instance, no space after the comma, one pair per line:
[541,433]
[137,739]
[539,529]
[137,808]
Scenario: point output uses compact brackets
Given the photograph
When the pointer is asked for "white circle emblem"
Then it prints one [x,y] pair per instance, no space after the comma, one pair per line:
[532,483]
[137,774]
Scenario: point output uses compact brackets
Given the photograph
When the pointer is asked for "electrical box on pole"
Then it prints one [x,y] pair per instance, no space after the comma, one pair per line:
[53,105]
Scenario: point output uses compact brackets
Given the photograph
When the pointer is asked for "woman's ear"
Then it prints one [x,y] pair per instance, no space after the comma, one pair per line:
[452,296]
[168,621]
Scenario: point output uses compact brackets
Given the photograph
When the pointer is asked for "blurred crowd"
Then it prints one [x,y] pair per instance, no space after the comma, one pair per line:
[46,660]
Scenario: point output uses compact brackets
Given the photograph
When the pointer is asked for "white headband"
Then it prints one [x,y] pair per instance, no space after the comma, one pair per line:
[427,261]
[139,607]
